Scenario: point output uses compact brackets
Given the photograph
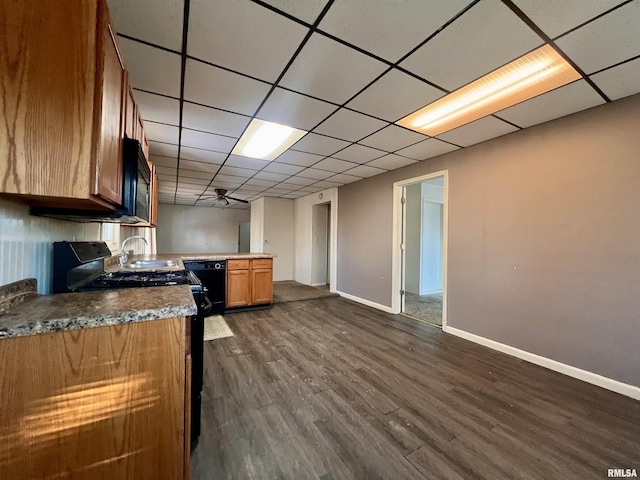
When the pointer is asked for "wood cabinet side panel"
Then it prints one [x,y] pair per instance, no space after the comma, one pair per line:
[98,403]
[47,86]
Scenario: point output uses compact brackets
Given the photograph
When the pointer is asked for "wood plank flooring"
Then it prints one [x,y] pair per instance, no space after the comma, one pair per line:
[331,389]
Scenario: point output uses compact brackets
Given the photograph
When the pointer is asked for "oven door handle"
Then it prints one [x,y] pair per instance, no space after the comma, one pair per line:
[206,305]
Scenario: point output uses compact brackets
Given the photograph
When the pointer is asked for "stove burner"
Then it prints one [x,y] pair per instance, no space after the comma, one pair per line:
[137,279]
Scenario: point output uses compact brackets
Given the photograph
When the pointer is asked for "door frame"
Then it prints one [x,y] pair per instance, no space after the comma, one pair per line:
[398,228]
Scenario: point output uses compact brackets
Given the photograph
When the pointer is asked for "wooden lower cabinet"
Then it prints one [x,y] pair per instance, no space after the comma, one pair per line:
[97,403]
[249,282]
[238,288]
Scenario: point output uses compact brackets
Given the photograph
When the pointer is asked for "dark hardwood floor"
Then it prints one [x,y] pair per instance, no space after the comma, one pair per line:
[330,389]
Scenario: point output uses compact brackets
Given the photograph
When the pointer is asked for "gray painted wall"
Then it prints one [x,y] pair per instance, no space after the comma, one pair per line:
[544,239]
[186,229]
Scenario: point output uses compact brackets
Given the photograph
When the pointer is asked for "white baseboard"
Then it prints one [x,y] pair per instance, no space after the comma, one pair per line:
[369,303]
[589,377]
[318,284]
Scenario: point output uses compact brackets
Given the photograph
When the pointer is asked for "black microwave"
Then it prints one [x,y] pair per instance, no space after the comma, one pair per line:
[136,193]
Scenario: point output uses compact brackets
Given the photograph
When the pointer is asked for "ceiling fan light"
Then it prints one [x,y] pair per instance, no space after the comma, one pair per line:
[533,74]
[266,140]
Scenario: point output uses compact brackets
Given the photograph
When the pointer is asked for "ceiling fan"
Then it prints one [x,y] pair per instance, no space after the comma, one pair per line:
[221,197]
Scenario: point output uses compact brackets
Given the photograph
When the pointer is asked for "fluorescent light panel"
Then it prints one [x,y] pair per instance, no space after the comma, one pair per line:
[266,140]
[526,77]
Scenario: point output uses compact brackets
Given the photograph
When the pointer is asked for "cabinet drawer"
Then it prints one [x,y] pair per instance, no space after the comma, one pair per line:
[237,264]
[262,263]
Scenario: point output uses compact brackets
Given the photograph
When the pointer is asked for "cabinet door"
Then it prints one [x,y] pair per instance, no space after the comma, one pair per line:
[238,288]
[47,97]
[108,168]
[262,286]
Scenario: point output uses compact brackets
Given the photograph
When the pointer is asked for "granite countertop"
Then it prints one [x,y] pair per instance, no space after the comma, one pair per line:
[71,311]
[182,257]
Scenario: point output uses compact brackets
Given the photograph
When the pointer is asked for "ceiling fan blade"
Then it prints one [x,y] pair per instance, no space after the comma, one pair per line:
[236,199]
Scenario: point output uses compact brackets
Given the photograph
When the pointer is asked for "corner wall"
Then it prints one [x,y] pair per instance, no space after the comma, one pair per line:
[543,239]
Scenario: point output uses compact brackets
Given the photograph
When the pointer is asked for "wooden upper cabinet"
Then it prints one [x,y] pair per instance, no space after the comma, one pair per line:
[141,137]
[108,158]
[61,82]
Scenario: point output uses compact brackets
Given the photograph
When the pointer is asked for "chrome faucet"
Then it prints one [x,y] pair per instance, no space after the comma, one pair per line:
[124,256]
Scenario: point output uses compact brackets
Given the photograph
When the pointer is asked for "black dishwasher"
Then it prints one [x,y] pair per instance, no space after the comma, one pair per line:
[213,275]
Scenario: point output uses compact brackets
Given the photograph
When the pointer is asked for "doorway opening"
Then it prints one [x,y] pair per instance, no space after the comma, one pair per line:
[421,245]
[244,237]
[321,245]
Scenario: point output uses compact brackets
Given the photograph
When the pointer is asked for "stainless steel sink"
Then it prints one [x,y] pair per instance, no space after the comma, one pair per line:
[145,264]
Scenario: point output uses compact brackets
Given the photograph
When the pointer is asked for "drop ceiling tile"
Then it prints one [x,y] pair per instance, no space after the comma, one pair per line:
[427,149]
[473,46]
[392,138]
[330,184]
[555,18]
[218,88]
[282,168]
[334,165]
[200,166]
[331,71]
[294,110]
[250,189]
[230,178]
[359,153]
[391,162]
[557,103]
[314,173]
[407,23]
[290,186]
[155,21]
[243,36]
[195,178]
[150,68]
[246,162]
[200,155]
[207,141]
[163,149]
[157,108]
[160,132]
[395,96]
[319,144]
[212,120]
[228,185]
[303,159]
[302,181]
[163,161]
[311,189]
[365,171]
[307,11]
[606,41]
[349,125]
[274,177]
[478,131]
[276,191]
[166,178]
[620,81]
[341,179]
[238,172]
[261,182]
